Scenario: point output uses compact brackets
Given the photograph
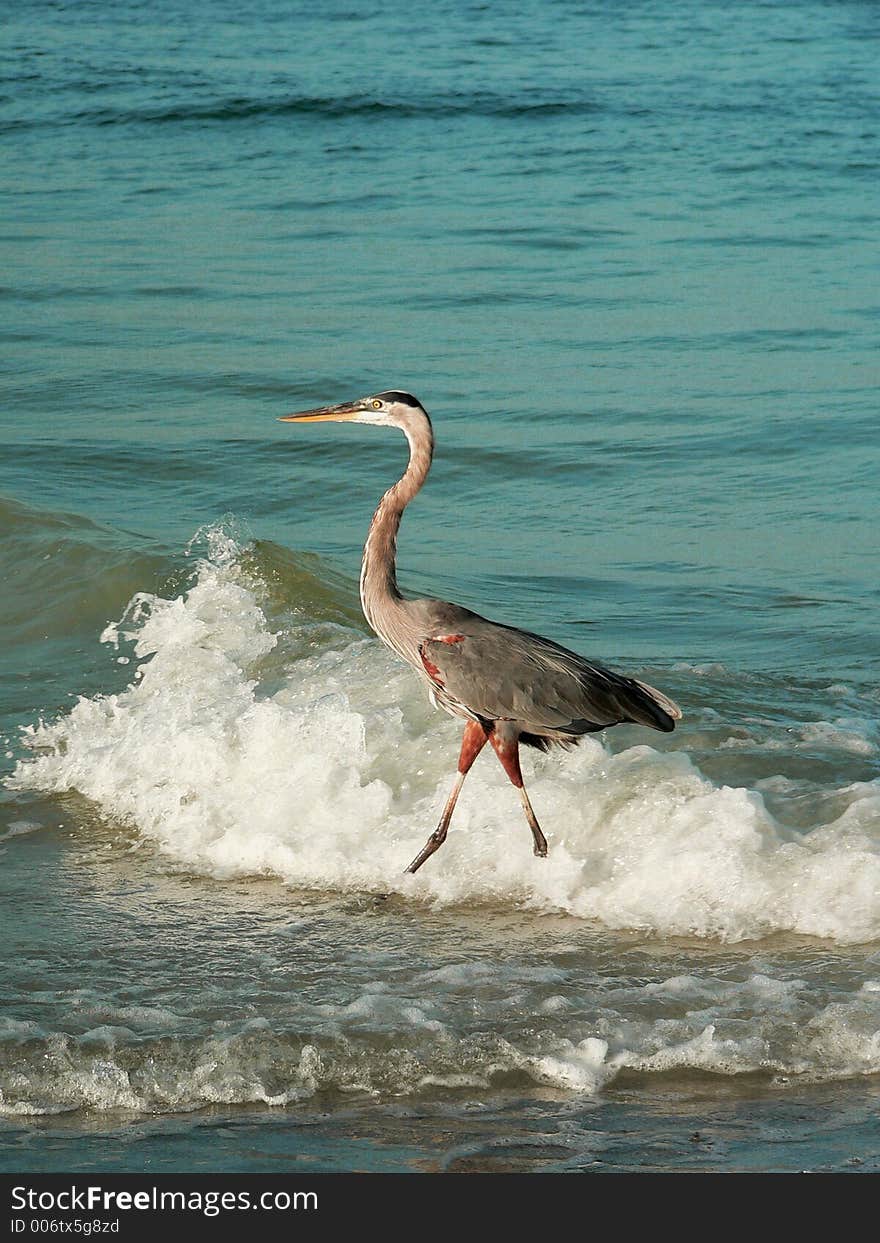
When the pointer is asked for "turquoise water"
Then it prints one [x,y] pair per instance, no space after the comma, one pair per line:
[626,257]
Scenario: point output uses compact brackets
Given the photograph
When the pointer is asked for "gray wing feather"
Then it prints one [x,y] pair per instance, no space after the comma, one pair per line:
[501,673]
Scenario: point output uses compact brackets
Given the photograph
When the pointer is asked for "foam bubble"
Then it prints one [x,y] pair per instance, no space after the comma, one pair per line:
[334,779]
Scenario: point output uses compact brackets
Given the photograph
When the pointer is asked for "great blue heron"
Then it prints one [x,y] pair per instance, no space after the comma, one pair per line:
[509,685]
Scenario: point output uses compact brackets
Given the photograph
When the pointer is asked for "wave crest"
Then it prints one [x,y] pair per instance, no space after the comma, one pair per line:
[242,750]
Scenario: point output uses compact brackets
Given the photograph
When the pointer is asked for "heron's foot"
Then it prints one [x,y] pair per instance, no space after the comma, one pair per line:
[540,841]
[434,842]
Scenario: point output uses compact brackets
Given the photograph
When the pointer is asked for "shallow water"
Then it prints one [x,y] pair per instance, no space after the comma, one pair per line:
[624,256]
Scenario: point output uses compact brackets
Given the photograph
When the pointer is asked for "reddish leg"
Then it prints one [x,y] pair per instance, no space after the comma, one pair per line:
[505,742]
[472,743]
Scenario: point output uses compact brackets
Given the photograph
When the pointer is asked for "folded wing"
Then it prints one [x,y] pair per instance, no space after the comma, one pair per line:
[501,673]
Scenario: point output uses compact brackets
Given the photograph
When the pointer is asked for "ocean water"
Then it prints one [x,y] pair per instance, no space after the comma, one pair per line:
[625,254]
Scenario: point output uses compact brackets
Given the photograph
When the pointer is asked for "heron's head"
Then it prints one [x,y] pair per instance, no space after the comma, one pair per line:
[390,409]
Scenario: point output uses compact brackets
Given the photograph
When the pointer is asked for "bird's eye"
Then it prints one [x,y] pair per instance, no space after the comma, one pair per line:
[377,405]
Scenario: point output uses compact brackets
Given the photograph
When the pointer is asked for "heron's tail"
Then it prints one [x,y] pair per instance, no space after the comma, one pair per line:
[668,708]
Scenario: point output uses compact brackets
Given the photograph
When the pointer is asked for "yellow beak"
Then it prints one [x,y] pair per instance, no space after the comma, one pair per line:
[325,414]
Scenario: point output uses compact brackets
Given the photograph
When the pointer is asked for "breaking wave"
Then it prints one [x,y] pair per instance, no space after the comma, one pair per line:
[299,749]
[389,1043]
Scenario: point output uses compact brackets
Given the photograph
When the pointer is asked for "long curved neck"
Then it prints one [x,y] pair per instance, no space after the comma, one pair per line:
[380,596]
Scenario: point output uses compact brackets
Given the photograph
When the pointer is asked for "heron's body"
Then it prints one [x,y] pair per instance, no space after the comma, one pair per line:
[509,685]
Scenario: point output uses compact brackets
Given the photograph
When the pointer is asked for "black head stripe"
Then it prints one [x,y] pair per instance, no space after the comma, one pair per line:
[405,399]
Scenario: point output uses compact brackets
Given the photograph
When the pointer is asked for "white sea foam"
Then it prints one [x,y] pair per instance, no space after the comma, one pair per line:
[709,669]
[382,1044]
[722,1027]
[848,734]
[19,828]
[335,780]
